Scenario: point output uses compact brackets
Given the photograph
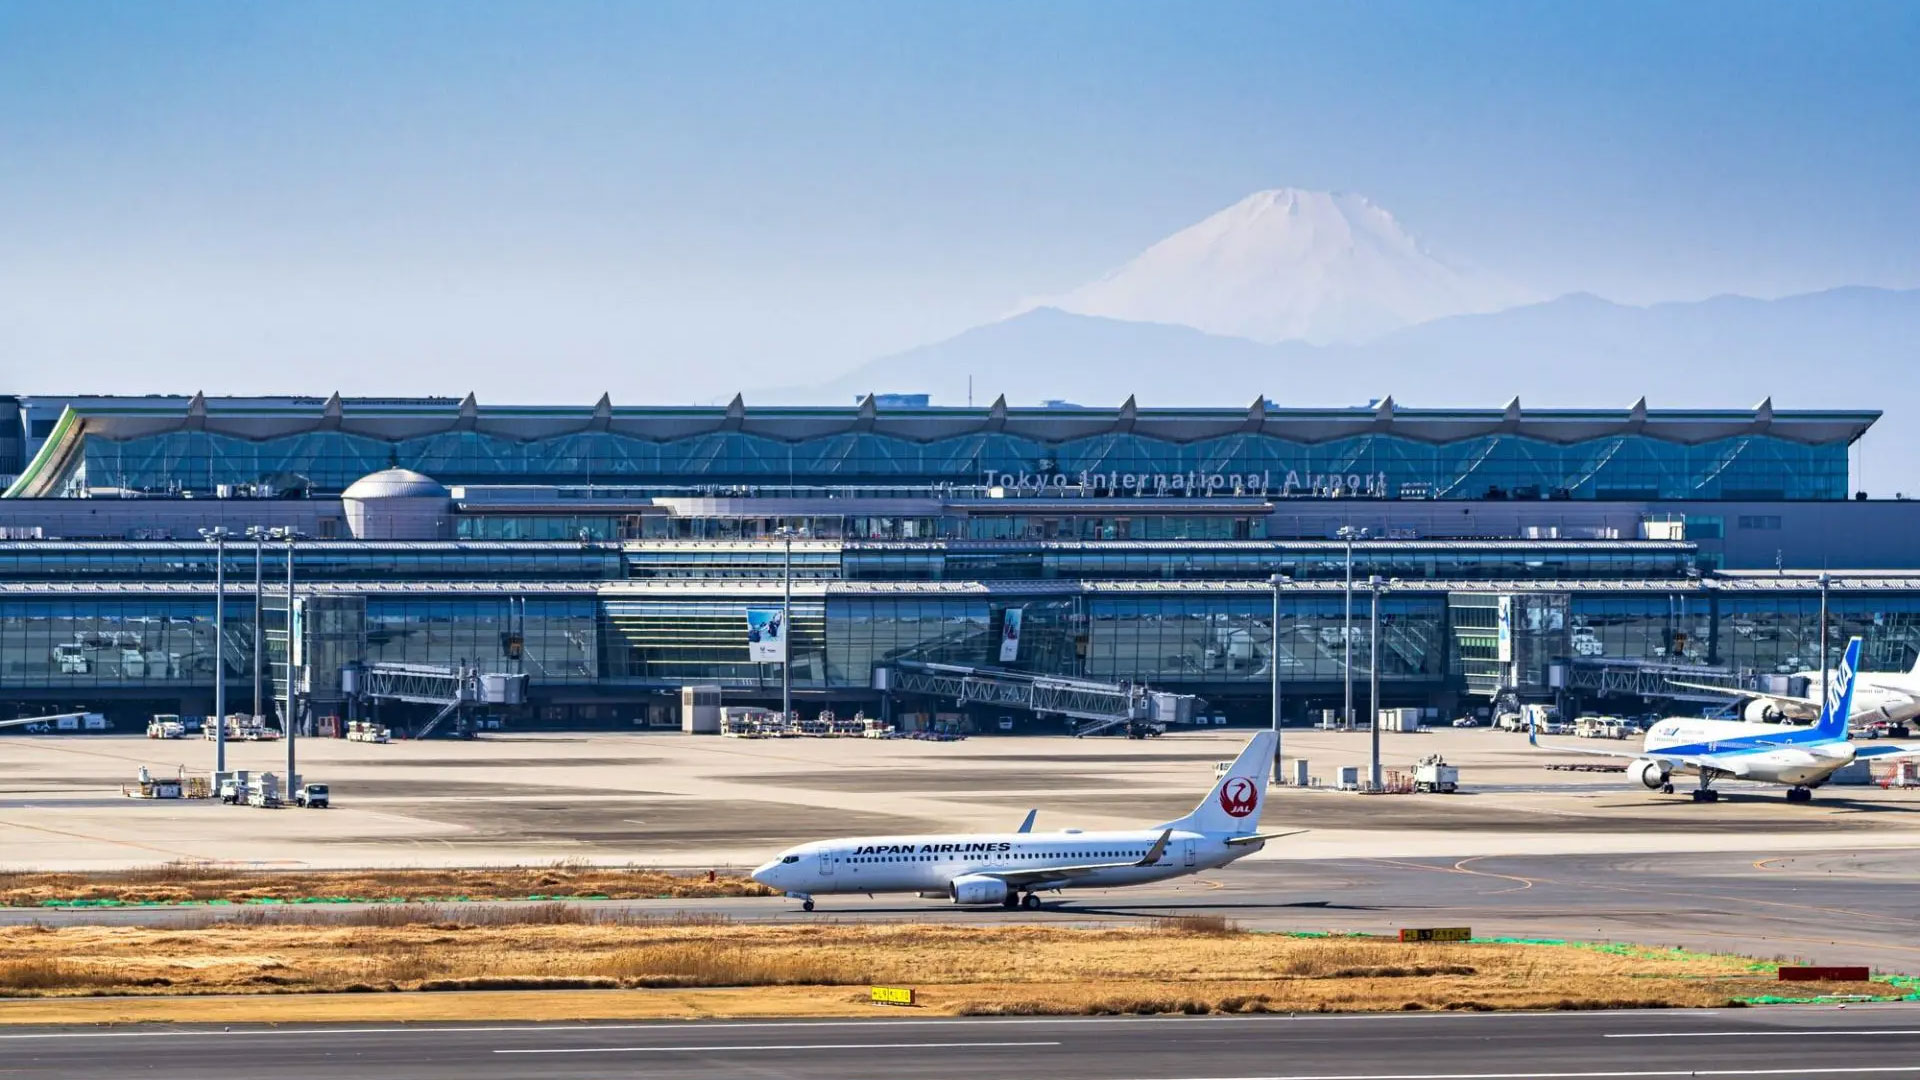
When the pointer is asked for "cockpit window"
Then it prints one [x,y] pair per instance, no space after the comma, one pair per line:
[790,859]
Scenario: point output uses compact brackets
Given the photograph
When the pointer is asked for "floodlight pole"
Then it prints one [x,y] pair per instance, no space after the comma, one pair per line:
[259,608]
[291,725]
[1373,679]
[1273,666]
[786,625]
[218,535]
[1826,583]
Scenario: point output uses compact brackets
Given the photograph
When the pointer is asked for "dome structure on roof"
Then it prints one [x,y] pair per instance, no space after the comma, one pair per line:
[398,504]
[396,483]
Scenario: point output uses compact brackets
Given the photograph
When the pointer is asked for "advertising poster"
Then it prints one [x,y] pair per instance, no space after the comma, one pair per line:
[766,636]
[1010,636]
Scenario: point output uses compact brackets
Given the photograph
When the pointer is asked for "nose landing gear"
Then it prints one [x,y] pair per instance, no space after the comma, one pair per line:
[806,902]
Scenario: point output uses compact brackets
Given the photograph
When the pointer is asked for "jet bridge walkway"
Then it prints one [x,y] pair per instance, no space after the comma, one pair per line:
[1101,706]
[454,689]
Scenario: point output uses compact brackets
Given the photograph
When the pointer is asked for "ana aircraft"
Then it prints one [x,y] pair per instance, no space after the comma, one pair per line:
[1802,758]
[1012,869]
[1893,696]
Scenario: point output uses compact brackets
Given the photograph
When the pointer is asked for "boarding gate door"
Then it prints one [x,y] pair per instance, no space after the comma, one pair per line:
[1188,846]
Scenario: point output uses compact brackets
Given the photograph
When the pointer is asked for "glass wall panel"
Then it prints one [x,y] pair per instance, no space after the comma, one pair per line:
[1624,466]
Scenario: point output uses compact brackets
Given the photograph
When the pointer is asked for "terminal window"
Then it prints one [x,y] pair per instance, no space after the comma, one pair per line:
[1759,521]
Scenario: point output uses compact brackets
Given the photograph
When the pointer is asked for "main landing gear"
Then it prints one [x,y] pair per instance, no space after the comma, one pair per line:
[1014,902]
[1705,794]
[1799,794]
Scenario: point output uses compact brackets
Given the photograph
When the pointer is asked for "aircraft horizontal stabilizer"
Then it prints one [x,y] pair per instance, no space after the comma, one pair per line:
[1258,837]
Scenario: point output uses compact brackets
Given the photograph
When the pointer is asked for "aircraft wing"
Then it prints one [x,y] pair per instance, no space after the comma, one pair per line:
[39,719]
[1799,708]
[1707,763]
[1033,875]
[1884,750]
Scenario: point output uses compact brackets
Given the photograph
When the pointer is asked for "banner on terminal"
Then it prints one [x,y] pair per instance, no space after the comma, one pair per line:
[766,636]
[1010,636]
[1188,484]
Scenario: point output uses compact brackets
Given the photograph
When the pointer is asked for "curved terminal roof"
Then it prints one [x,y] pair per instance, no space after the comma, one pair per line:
[400,419]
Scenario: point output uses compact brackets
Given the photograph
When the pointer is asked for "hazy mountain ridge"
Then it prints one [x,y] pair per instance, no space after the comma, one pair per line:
[1852,347]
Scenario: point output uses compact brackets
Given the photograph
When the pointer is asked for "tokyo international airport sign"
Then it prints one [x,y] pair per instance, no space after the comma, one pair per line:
[1189,484]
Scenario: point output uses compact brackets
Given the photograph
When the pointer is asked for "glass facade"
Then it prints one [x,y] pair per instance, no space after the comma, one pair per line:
[1207,641]
[1612,466]
[1764,634]
[92,642]
[1228,640]
[162,560]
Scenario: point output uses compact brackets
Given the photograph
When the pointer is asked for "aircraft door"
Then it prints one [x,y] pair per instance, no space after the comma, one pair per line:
[1187,847]
[825,859]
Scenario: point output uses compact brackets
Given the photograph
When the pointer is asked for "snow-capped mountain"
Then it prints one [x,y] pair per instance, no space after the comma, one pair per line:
[1287,265]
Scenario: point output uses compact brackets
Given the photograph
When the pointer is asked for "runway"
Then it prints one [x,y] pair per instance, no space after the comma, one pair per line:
[1839,907]
[1779,1042]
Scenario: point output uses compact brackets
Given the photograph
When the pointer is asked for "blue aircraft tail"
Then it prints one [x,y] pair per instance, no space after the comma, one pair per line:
[1838,703]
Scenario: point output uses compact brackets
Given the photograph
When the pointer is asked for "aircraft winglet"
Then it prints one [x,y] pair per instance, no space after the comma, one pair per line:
[1158,850]
[1027,825]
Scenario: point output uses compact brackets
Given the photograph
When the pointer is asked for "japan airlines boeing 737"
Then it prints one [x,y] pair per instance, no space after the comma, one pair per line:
[1803,758]
[1012,869]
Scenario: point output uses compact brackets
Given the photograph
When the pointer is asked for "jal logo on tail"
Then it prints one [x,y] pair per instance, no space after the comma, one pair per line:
[1239,796]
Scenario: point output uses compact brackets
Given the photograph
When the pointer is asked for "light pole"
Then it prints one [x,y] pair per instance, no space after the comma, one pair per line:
[287,718]
[1375,585]
[1273,666]
[1826,583]
[218,536]
[786,623]
[1349,534]
[259,536]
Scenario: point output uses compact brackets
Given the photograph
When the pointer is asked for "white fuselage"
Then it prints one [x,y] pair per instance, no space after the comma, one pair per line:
[929,864]
[1770,753]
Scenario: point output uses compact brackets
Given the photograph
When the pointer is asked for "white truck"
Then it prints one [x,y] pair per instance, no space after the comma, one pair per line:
[311,796]
[1433,774]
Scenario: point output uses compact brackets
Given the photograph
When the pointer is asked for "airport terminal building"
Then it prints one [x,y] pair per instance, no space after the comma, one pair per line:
[610,554]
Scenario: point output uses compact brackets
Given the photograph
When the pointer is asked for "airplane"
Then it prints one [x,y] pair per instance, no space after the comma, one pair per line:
[1012,869]
[1802,758]
[1893,696]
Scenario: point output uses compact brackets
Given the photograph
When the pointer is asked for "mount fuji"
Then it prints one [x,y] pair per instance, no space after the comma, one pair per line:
[1290,265]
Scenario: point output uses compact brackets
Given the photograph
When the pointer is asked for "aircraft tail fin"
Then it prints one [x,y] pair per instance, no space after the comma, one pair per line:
[1916,664]
[1233,806]
[1837,703]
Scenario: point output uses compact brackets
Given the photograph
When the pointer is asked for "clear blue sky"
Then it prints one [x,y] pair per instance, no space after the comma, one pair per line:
[543,200]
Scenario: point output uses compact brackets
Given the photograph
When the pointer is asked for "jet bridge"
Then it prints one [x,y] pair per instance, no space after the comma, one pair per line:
[1102,705]
[455,689]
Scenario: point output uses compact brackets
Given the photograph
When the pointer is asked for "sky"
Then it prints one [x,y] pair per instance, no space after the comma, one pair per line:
[668,201]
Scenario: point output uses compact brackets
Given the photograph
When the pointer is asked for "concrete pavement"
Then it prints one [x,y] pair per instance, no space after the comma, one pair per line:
[1780,1042]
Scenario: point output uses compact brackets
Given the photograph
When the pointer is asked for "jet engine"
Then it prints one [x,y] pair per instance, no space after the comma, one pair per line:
[977,889]
[1762,711]
[1652,774]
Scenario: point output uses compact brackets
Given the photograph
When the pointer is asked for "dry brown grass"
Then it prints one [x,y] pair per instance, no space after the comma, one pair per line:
[686,968]
[178,882]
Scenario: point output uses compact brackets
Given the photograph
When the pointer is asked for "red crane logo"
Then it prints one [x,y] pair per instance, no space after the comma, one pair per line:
[1239,796]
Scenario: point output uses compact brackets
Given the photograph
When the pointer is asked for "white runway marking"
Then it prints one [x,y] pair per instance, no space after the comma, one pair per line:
[1843,1034]
[1801,1071]
[735,1047]
[345,1029]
